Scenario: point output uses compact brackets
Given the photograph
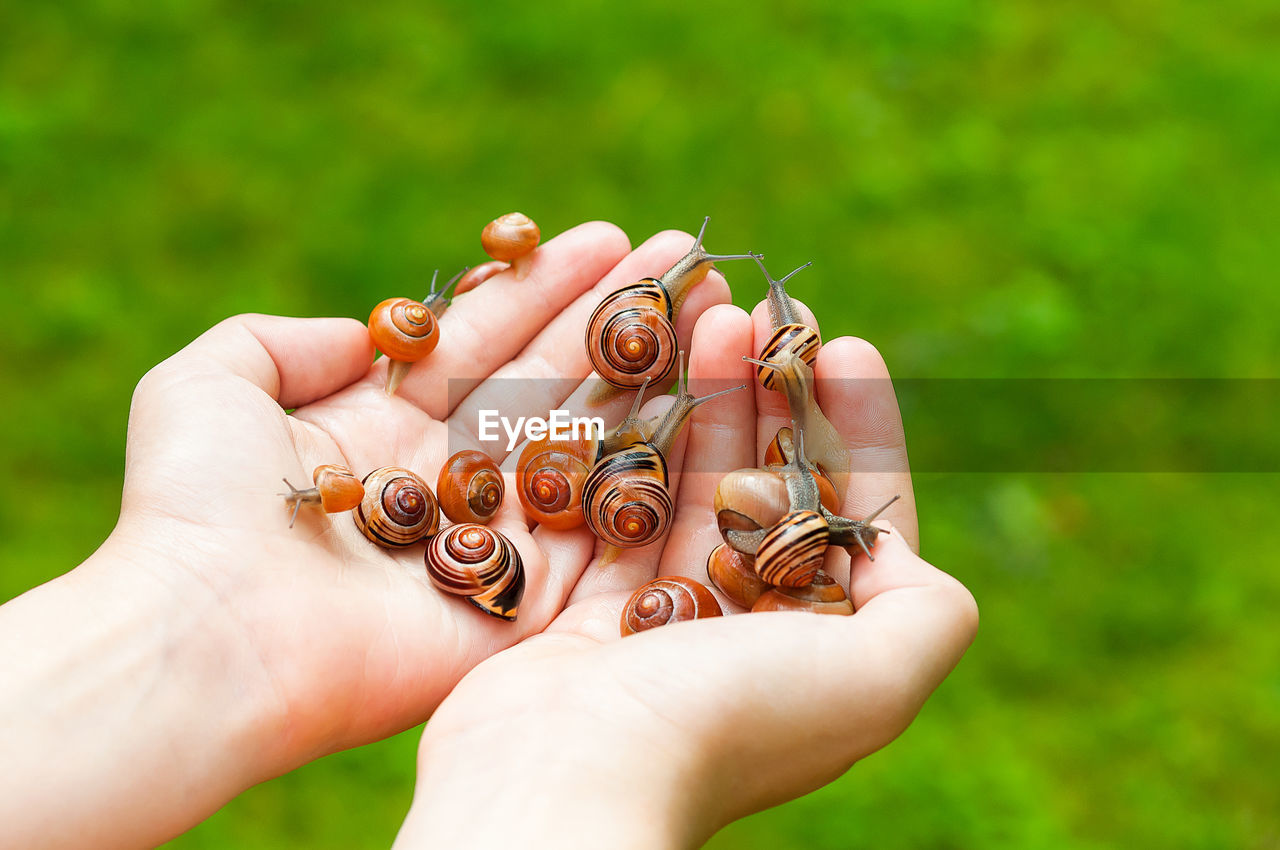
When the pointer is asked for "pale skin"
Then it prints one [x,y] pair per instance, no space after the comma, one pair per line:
[206,646]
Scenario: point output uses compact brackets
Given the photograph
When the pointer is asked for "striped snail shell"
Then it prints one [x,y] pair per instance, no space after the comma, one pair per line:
[667,600]
[824,596]
[398,508]
[791,553]
[336,490]
[781,450]
[735,575]
[801,340]
[470,487]
[480,564]
[625,498]
[549,479]
[630,336]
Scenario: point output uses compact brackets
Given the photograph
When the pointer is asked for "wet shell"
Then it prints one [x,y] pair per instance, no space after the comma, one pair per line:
[339,489]
[398,508]
[479,564]
[667,600]
[549,479]
[735,575]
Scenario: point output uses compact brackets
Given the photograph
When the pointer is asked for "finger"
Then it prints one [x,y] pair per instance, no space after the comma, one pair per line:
[484,329]
[722,437]
[771,405]
[555,363]
[856,393]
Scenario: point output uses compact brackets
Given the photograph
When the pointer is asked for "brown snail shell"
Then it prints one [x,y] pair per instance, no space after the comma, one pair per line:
[823,596]
[404,329]
[792,552]
[398,508]
[667,600]
[511,238]
[735,575]
[549,479]
[625,497]
[470,487]
[473,277]
[480,564]
[630,336]
[336,490]
[748,499]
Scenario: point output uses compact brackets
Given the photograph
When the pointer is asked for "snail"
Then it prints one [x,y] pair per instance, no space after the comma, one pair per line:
[735,575]
[438,301]
[779,453]
[549,479]
[789,333]
[667,600]
[823,596]
[336,490]
[511,238]
[470,487]
[631,335]
[750,499]
[398,508]
[406,331]
[792,550]
[473,277]
[625,497]
[480,564]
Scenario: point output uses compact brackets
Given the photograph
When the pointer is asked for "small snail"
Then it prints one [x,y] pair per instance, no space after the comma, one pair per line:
[480,564]
[667,600]
[789,333]
[631,335]
[825,444]
[823,596]
[470,487]
[549,479]
[511,238]
[336,490]
[398,508]
[735,575]
[406,331]
[625,497]
[791,552]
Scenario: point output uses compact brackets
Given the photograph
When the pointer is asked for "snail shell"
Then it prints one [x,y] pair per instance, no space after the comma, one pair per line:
[510,236]
[781,450]
[667,600]
[480,564]
[802,340]
[404,329]
[470,487]
[791,553]
[824,596]
[748,499]
[398,508]
[549,479]
[630,337]
[625,498]
[735,575]
[339,489]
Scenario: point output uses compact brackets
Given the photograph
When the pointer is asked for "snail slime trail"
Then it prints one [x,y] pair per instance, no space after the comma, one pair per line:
[560,427]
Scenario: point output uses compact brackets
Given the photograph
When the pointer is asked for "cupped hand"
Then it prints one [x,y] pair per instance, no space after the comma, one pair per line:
[342,641]
[661,738]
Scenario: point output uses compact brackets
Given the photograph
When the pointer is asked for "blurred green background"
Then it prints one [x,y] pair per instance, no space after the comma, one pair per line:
[1021,189]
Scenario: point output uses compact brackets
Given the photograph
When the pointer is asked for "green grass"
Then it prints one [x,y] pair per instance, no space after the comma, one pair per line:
[1036,190]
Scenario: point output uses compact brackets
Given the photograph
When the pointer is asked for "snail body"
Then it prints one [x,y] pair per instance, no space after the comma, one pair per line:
[470,487]
[511,238]
[631,335]
[336,490]
[406,331]
[823,595]
[779,453]
[398,508]
[479,564]
[550,475]
[666,600]
[789,332]
[735,575]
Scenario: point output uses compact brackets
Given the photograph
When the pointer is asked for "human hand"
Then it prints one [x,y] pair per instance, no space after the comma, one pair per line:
[578,738]
[210,646]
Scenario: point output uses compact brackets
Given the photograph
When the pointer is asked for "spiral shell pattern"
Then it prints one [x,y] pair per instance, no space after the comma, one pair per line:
[824,596]
[801,339]
[625,498]
[339,489]
[791,553]
[404,329]
[470,487]
[510,236]
[630,336]
[549,479]
[748,499]
[398,508]
[480,564]
[735,575]
[667,600]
